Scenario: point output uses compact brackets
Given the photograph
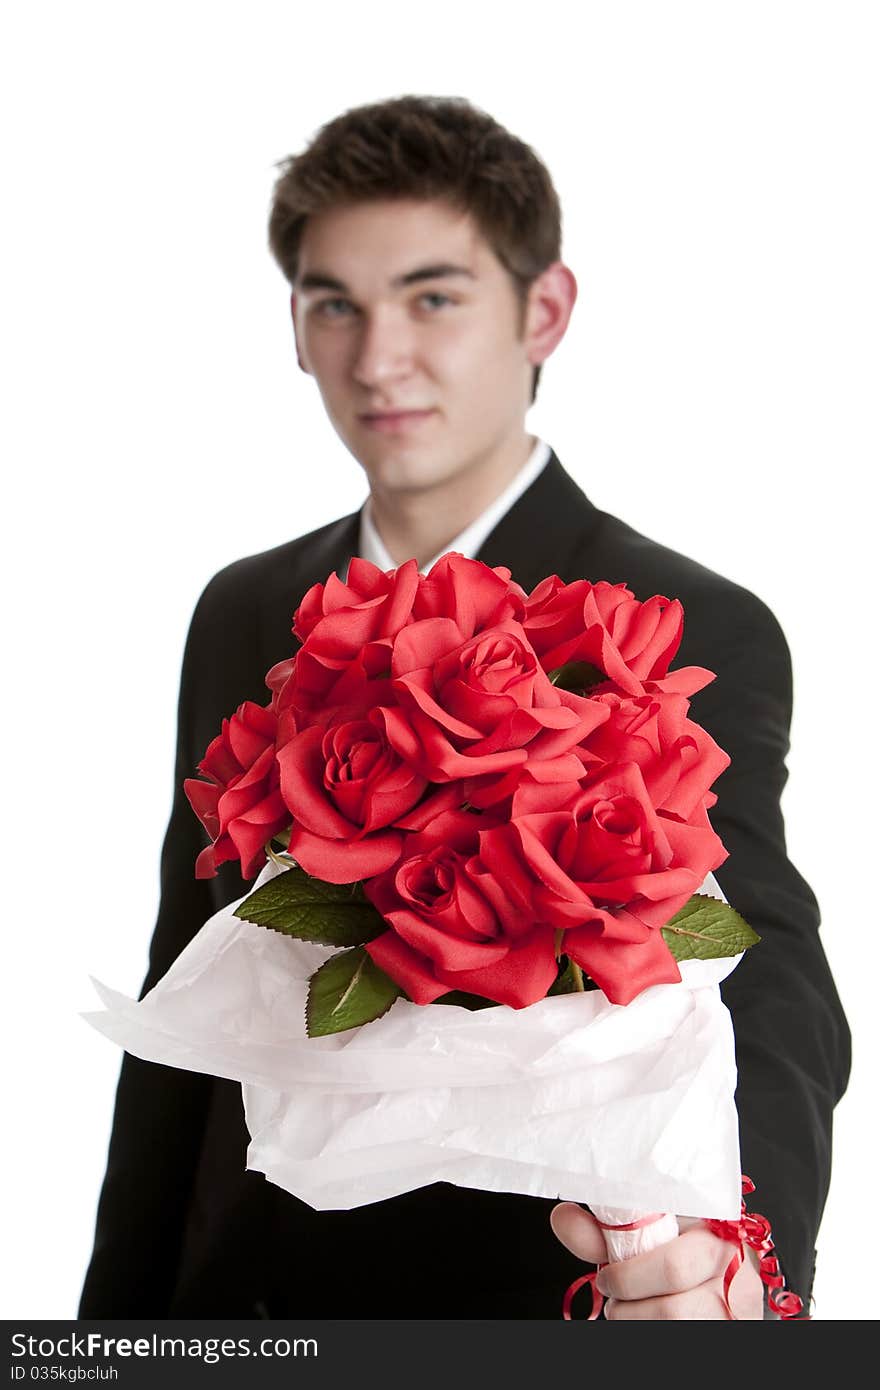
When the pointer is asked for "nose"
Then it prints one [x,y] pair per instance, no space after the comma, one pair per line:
[385,349]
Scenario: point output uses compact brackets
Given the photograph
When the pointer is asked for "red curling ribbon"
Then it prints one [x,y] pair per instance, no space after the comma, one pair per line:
[631,1225]
[572,1289]
[788,1305]
[751,1229]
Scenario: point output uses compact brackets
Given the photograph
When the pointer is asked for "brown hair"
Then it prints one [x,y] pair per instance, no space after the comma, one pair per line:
[425,147]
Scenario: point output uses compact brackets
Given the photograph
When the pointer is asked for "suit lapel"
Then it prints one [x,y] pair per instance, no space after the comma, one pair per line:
[543,530]
[540,534]
[337,547]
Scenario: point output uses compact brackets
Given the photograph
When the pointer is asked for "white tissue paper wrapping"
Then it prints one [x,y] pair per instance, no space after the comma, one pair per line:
[572,1098]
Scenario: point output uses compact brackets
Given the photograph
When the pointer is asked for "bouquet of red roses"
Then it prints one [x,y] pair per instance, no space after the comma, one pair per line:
[505,789]
[461,794]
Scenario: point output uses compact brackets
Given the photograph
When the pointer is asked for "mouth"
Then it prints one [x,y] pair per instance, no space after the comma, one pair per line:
[394,421]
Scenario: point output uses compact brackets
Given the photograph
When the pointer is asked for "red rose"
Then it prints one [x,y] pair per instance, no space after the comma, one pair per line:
[469,594]
[345,788]
[605,625]
[278,679]
[318,688]
[444,934]
[342,669]
[606,868]
[376,604]
[479,706]
[348,630]
[241,806]
[678,760]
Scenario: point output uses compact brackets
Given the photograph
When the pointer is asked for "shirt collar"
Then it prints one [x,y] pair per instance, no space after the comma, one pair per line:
[467,542]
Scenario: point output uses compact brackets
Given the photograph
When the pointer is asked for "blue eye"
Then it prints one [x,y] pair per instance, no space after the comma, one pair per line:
[437,300]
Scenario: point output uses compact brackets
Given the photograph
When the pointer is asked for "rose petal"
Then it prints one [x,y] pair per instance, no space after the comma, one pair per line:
[345,861]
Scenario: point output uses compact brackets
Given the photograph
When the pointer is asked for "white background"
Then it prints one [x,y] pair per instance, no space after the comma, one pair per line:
[717,164]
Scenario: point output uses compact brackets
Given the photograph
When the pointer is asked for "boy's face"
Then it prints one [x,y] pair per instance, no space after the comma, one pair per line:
[416,337]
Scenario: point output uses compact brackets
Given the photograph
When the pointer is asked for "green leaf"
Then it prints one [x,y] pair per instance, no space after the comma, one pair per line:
[330,914]
[577,677]
[348,990]
[706,929]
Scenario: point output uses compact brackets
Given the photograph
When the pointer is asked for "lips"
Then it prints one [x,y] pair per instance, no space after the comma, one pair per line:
[393,420]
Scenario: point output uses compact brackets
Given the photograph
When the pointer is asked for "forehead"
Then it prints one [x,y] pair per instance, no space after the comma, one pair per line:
[368,245]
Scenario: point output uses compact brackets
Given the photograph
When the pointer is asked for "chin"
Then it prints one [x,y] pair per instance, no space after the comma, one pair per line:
[402,473]
[391,479]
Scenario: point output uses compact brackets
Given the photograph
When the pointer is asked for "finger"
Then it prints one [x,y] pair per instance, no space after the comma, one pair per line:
[702,1304]
[690,1260]
[579,1233]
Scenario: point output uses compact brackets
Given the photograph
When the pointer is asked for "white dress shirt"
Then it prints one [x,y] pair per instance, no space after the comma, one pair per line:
[467,542]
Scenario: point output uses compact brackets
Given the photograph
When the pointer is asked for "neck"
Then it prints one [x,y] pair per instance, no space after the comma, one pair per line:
[422,522]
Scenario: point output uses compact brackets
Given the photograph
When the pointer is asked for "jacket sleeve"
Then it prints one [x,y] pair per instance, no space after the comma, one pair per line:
[160,1111]
[792,1039]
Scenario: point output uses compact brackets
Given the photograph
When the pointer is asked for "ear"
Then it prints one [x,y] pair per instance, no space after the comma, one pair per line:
[299,353]
[548,310]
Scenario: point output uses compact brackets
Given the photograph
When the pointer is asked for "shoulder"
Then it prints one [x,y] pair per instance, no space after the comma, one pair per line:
[241,625]
[713,604]
[562,527]
[275,578]
[728,630]
[283,562]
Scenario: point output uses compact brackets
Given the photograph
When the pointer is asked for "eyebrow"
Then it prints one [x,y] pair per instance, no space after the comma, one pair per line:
[443,270]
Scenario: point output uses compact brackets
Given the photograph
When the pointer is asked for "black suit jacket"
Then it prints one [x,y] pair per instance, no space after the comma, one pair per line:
[183,1230]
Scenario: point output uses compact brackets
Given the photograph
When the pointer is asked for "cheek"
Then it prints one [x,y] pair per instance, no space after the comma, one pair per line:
[327,357]
[483,369]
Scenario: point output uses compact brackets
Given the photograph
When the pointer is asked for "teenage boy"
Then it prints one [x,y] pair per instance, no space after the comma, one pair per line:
[422,244]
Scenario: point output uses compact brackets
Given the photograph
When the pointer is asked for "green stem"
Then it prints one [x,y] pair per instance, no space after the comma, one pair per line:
[282,861]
